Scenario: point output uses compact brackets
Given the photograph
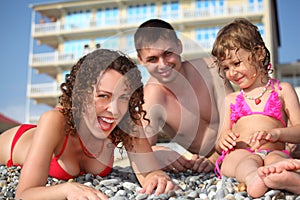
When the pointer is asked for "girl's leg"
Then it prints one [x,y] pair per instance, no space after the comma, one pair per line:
[243,165]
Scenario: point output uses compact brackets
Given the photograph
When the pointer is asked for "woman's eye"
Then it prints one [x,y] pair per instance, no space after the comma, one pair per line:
[124,97]
[103,96]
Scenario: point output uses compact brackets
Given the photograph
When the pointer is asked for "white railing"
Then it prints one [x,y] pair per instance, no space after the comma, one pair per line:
[53,58]
[44,90]
[56,58]
[184,15]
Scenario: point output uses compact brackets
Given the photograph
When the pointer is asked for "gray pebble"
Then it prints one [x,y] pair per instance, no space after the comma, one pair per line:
[121,184]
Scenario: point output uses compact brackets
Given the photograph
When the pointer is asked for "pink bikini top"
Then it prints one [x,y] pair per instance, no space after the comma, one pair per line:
[271,109]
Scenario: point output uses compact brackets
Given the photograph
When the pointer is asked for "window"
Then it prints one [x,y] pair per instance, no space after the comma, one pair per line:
[138,13]
[76,47]
[206,36]
[210,7]
[170,10]
[108,43]
[107,16]
[78,19]
[255,5]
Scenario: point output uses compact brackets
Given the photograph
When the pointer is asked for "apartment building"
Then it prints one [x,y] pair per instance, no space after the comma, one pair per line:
[63,31]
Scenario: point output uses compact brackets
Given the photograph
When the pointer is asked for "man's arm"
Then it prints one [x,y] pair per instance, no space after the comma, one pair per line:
[155,112]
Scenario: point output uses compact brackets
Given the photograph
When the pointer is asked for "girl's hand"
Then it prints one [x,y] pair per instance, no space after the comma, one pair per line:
[228,140]
[159,180]
[260,138]
[76,191]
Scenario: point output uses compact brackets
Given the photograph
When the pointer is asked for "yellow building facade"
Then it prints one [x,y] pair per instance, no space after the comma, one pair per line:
[63,31]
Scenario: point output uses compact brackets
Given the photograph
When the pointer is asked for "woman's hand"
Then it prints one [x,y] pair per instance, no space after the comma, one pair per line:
[228,140]
[78,191]
[159,180]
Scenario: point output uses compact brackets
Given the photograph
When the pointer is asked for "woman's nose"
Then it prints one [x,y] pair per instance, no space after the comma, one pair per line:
[112,106]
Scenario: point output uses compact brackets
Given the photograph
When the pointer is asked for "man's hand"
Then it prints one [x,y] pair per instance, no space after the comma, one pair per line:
[201,164]
[170,160]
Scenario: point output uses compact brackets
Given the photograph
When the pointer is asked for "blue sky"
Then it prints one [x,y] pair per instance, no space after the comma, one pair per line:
[15,35]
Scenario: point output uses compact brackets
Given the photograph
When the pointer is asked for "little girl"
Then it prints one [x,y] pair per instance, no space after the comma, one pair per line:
[255,129]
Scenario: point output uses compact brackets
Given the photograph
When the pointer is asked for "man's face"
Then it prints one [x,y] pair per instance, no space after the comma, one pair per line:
[162,59]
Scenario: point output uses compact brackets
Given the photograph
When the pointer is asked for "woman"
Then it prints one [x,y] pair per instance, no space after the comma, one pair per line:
[100,107]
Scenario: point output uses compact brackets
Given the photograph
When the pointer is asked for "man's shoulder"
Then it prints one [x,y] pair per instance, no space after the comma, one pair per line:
[204,66]
[154,91]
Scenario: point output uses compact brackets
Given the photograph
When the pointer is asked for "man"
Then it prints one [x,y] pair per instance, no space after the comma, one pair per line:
[183,99]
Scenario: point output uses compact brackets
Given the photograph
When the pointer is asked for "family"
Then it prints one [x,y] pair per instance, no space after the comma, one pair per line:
[104,105]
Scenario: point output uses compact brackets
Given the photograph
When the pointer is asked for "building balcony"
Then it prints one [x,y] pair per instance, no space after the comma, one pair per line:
[53,62]
[44,93]
[53,32]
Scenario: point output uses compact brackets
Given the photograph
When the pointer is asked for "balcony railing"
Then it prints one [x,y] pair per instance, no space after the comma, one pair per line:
[53,58]
[58,59]
[183,15]
[44,90]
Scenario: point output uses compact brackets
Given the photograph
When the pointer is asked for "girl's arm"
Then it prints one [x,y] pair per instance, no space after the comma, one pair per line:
[226,138]
[146,166]
[32,184]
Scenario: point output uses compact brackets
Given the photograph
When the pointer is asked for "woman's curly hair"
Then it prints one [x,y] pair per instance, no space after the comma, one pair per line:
[240,33]
[79,87]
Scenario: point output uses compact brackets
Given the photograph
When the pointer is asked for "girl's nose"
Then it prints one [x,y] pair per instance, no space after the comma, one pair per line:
[233,72]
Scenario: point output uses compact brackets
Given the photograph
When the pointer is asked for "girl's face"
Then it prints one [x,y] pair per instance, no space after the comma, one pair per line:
[111,97]
[239,69]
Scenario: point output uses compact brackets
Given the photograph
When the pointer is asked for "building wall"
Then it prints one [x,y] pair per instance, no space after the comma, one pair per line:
[67,27]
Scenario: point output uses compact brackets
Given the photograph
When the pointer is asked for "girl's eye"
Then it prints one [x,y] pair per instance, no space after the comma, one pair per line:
[237,63]
[225,68]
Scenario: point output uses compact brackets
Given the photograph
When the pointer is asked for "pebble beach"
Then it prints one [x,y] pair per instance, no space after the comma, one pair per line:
[121,184]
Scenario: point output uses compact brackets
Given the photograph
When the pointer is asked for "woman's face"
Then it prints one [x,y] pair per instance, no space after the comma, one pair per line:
[111,97]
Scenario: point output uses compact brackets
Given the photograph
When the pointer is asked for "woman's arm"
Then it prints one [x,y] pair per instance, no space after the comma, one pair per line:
[146,167]
[32,184]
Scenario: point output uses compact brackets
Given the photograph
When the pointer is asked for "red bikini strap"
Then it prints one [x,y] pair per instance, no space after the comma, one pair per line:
[64,146]
[22,129]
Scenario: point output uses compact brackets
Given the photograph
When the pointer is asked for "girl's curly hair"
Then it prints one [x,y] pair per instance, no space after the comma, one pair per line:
[240,33]
[79,86]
